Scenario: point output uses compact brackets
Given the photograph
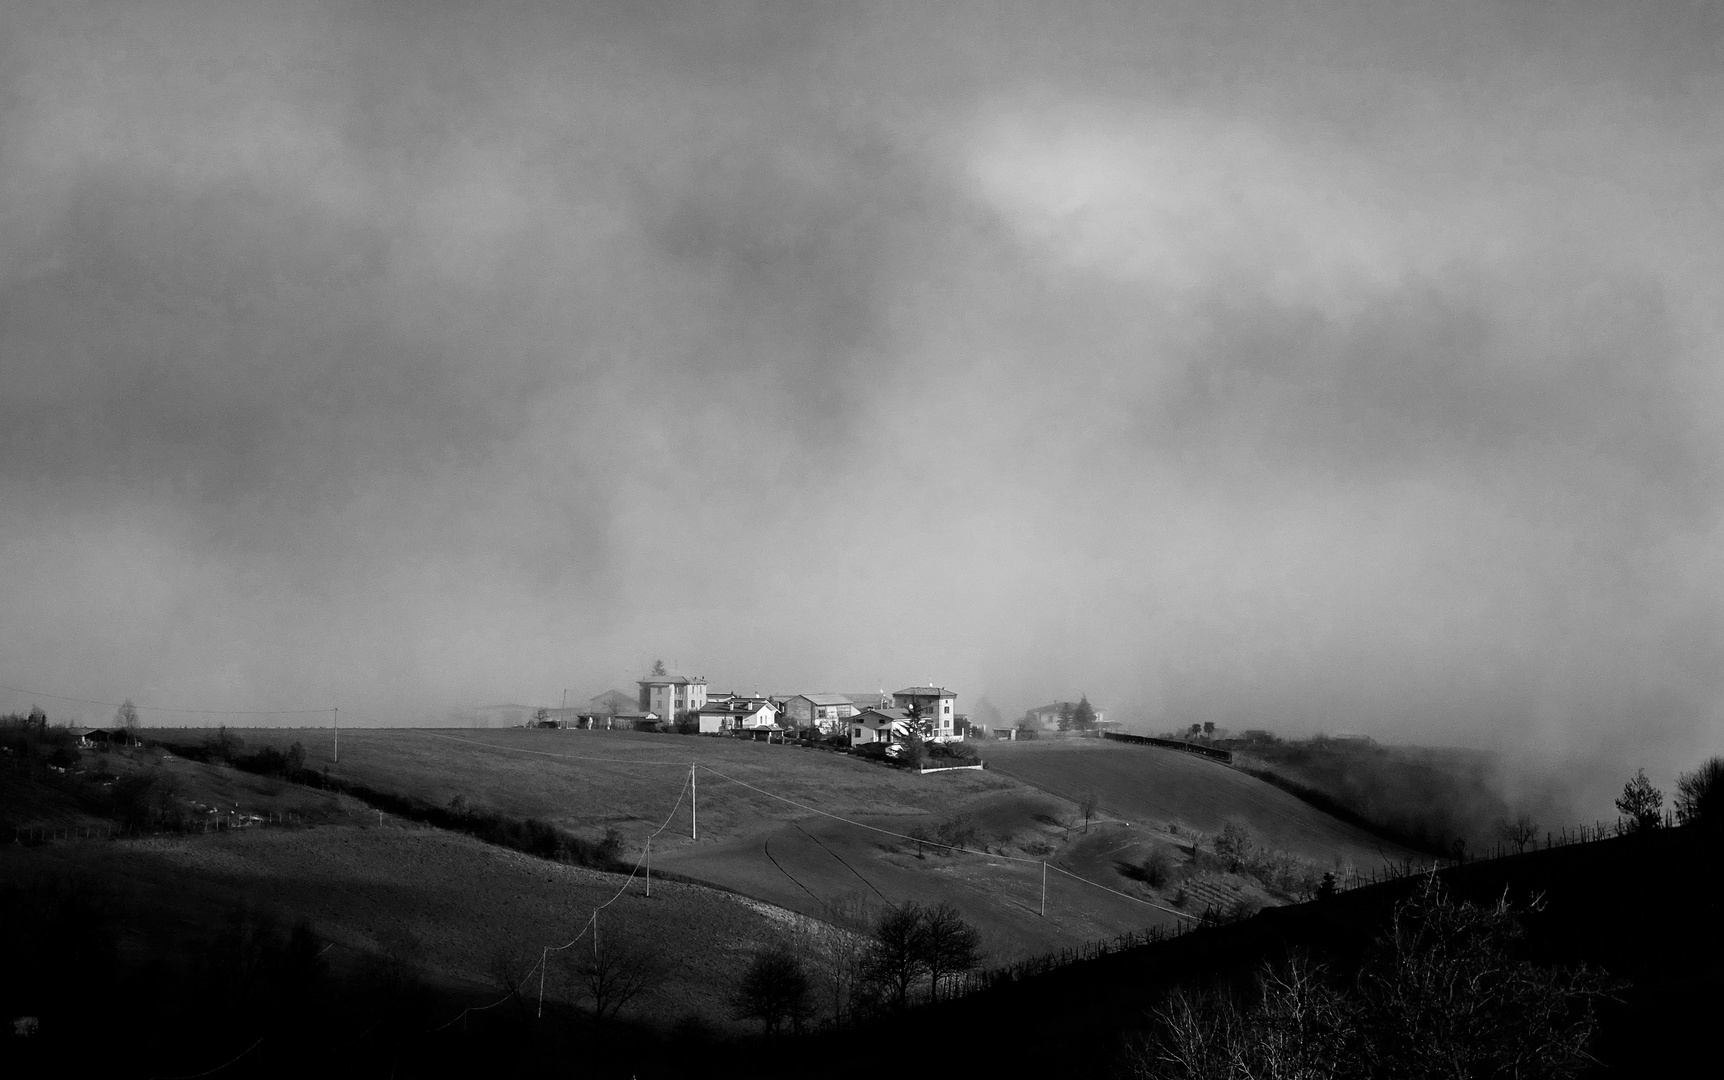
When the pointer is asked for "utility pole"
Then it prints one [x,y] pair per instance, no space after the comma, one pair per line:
[595,933]
[1044,911]
[337,712]
[543,953]
[693,807]
[649,867]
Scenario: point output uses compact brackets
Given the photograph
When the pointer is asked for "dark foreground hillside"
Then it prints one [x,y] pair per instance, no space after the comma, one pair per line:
[1645,908]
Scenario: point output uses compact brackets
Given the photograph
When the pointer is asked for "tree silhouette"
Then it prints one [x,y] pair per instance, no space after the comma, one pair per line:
[1700,794]
[1083,717]
[1641,803]
[126,717]
[775,989]
[897,958]
[950,946]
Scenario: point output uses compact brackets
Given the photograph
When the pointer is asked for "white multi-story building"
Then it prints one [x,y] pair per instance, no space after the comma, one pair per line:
[932,706]
[670,696]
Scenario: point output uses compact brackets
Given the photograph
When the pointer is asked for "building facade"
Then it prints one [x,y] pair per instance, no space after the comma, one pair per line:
[825,713]
[933,707]
[670,696]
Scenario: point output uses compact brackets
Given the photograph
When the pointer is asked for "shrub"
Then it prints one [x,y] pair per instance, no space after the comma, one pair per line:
[1159,867]
[959,831]
[1234,844]
[1441,993]
[912,752]
[222,744]
[952,754]
[608,848]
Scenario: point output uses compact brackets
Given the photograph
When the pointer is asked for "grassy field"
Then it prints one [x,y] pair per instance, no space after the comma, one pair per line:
[1150,786]
[449,906]
[784,851]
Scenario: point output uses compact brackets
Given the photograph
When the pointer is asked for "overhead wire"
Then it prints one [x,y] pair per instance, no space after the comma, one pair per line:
[939,844]
[166,709]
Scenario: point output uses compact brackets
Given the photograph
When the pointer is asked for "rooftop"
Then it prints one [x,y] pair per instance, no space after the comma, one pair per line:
[925,691]
[672,680]
[830,699]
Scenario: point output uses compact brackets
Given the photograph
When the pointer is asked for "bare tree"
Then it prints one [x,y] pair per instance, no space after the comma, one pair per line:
[1700,794]
[616,971]
[774,990]
[126,719]
[510,969]
[950,946]
[844,952]
[1441,995]
[1519,832]
[1087,804]
[897,959]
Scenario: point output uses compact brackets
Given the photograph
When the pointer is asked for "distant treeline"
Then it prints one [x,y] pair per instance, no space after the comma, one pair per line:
[1423,799]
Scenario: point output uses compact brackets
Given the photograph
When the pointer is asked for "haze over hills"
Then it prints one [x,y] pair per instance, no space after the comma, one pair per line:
[1274,368]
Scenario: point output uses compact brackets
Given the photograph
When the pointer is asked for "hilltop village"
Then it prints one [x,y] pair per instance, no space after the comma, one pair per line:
[684,704]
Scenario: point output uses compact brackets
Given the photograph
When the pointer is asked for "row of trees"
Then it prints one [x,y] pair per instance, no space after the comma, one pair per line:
[1699,798]
[910,949]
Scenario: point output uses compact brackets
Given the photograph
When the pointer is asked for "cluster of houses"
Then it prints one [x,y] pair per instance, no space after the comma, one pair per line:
[685,703]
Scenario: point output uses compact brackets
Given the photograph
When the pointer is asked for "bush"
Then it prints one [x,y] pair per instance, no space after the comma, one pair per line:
[222,744]
[960,831]
[912,753]
[1234,844]
[952,754]
[1159,867]
[1441,994]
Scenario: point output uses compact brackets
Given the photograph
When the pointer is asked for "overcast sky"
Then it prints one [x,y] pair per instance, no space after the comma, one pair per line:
[1342,366]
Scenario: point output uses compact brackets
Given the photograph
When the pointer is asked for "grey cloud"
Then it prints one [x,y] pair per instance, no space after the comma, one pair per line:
[426,354]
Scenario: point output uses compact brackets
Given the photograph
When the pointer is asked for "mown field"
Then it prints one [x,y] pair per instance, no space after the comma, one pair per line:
[782,850]
[586,781]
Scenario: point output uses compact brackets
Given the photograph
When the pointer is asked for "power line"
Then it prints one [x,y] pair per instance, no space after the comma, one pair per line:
[935,843]
[160,708]
[545,952]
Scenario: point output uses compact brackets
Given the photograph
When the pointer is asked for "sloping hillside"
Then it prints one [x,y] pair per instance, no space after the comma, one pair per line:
[450,906]
[1153,786]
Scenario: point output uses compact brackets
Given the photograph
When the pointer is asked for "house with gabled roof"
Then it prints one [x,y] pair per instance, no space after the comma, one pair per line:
[825,713]
[879,725]
[1048,717]
[736,716]
[932,706]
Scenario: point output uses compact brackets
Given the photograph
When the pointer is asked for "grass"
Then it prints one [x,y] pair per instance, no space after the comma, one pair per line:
[1152,787]
[447,904]
[587,781]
